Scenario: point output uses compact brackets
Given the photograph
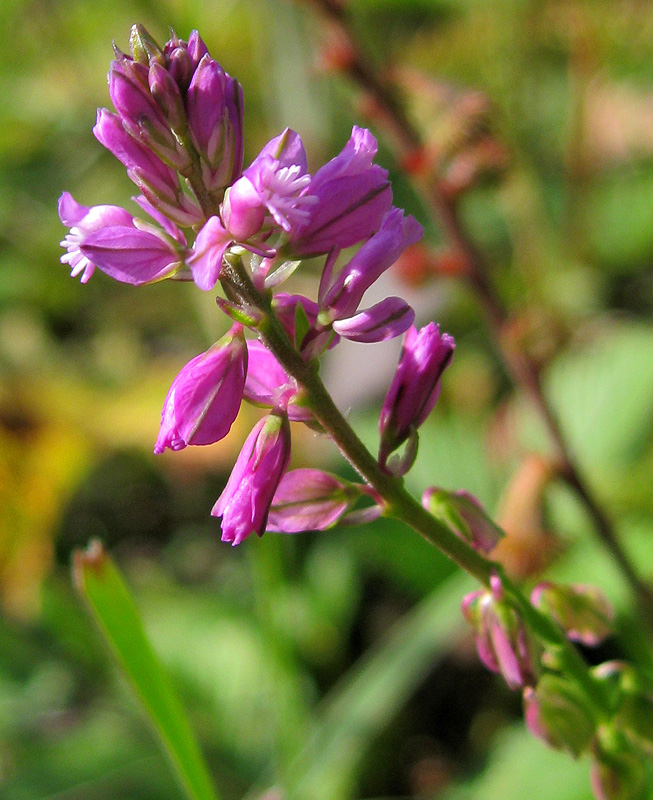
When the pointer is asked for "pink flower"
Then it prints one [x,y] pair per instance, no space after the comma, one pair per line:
[309,500]
[84,221]
[352,197]
[244,504]
[272,190]
[205,397]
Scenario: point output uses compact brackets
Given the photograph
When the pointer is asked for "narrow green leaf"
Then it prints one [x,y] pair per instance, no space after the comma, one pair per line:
[102,586]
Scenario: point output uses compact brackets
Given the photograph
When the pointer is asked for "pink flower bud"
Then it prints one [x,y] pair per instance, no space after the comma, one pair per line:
[415,387]
[244,504]
[310,500]
[205,397]
[503,642]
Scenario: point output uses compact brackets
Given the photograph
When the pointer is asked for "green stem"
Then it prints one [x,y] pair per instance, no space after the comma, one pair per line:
[398,502]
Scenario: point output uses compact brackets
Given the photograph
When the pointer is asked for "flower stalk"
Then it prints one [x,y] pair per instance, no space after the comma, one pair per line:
[445,209]
[398,502]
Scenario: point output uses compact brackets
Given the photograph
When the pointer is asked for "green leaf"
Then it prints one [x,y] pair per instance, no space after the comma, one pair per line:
[364,702]
[103,588]
[302,325]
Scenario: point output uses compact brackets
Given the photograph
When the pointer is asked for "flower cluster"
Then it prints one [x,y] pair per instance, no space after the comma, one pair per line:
[178,130]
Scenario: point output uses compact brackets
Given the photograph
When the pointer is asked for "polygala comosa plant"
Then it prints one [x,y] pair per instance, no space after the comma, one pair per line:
[241,231]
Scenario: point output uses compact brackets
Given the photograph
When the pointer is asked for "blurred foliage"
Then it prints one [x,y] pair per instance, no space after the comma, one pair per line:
[332,664]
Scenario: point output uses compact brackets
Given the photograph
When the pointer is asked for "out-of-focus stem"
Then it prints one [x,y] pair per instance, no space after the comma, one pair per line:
[444,206]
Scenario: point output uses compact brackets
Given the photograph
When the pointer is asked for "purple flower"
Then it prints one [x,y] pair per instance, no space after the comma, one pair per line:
[84,221]
[353,195]
[415,387]
[205,397]
[309,500]
[343,294]
[132,255]
[271,191]
[244,504]
[268,384]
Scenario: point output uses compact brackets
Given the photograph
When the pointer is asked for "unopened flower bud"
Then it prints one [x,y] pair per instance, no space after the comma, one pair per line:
[205,397]
[143,47]
[244,504]
[415,387]
[310,500]
[503,642]
[583,612]
[214,104]
[140,115]
[166,93]
[557,712]
[463,514]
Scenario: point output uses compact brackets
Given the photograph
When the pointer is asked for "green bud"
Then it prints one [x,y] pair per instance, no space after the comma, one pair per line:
[583,612]
[557,712]
[143,47]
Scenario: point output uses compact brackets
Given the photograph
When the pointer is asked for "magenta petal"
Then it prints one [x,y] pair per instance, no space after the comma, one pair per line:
[205,102]
[385,320]
[130,255]
[353,195]
[268,384]
[85,222]
[209,248]
[307,500]
[287,149]
[205,397]
[376,255]
[70,211]
[349,210]
[415,387]
[244,504]
[168,225]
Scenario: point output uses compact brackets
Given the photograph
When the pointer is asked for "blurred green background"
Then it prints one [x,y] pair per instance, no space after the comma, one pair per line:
[334,665]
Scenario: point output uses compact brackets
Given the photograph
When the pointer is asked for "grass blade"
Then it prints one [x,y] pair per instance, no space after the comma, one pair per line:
[100,583]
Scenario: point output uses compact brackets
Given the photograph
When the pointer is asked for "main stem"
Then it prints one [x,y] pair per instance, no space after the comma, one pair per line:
[444,206]
[398,502]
